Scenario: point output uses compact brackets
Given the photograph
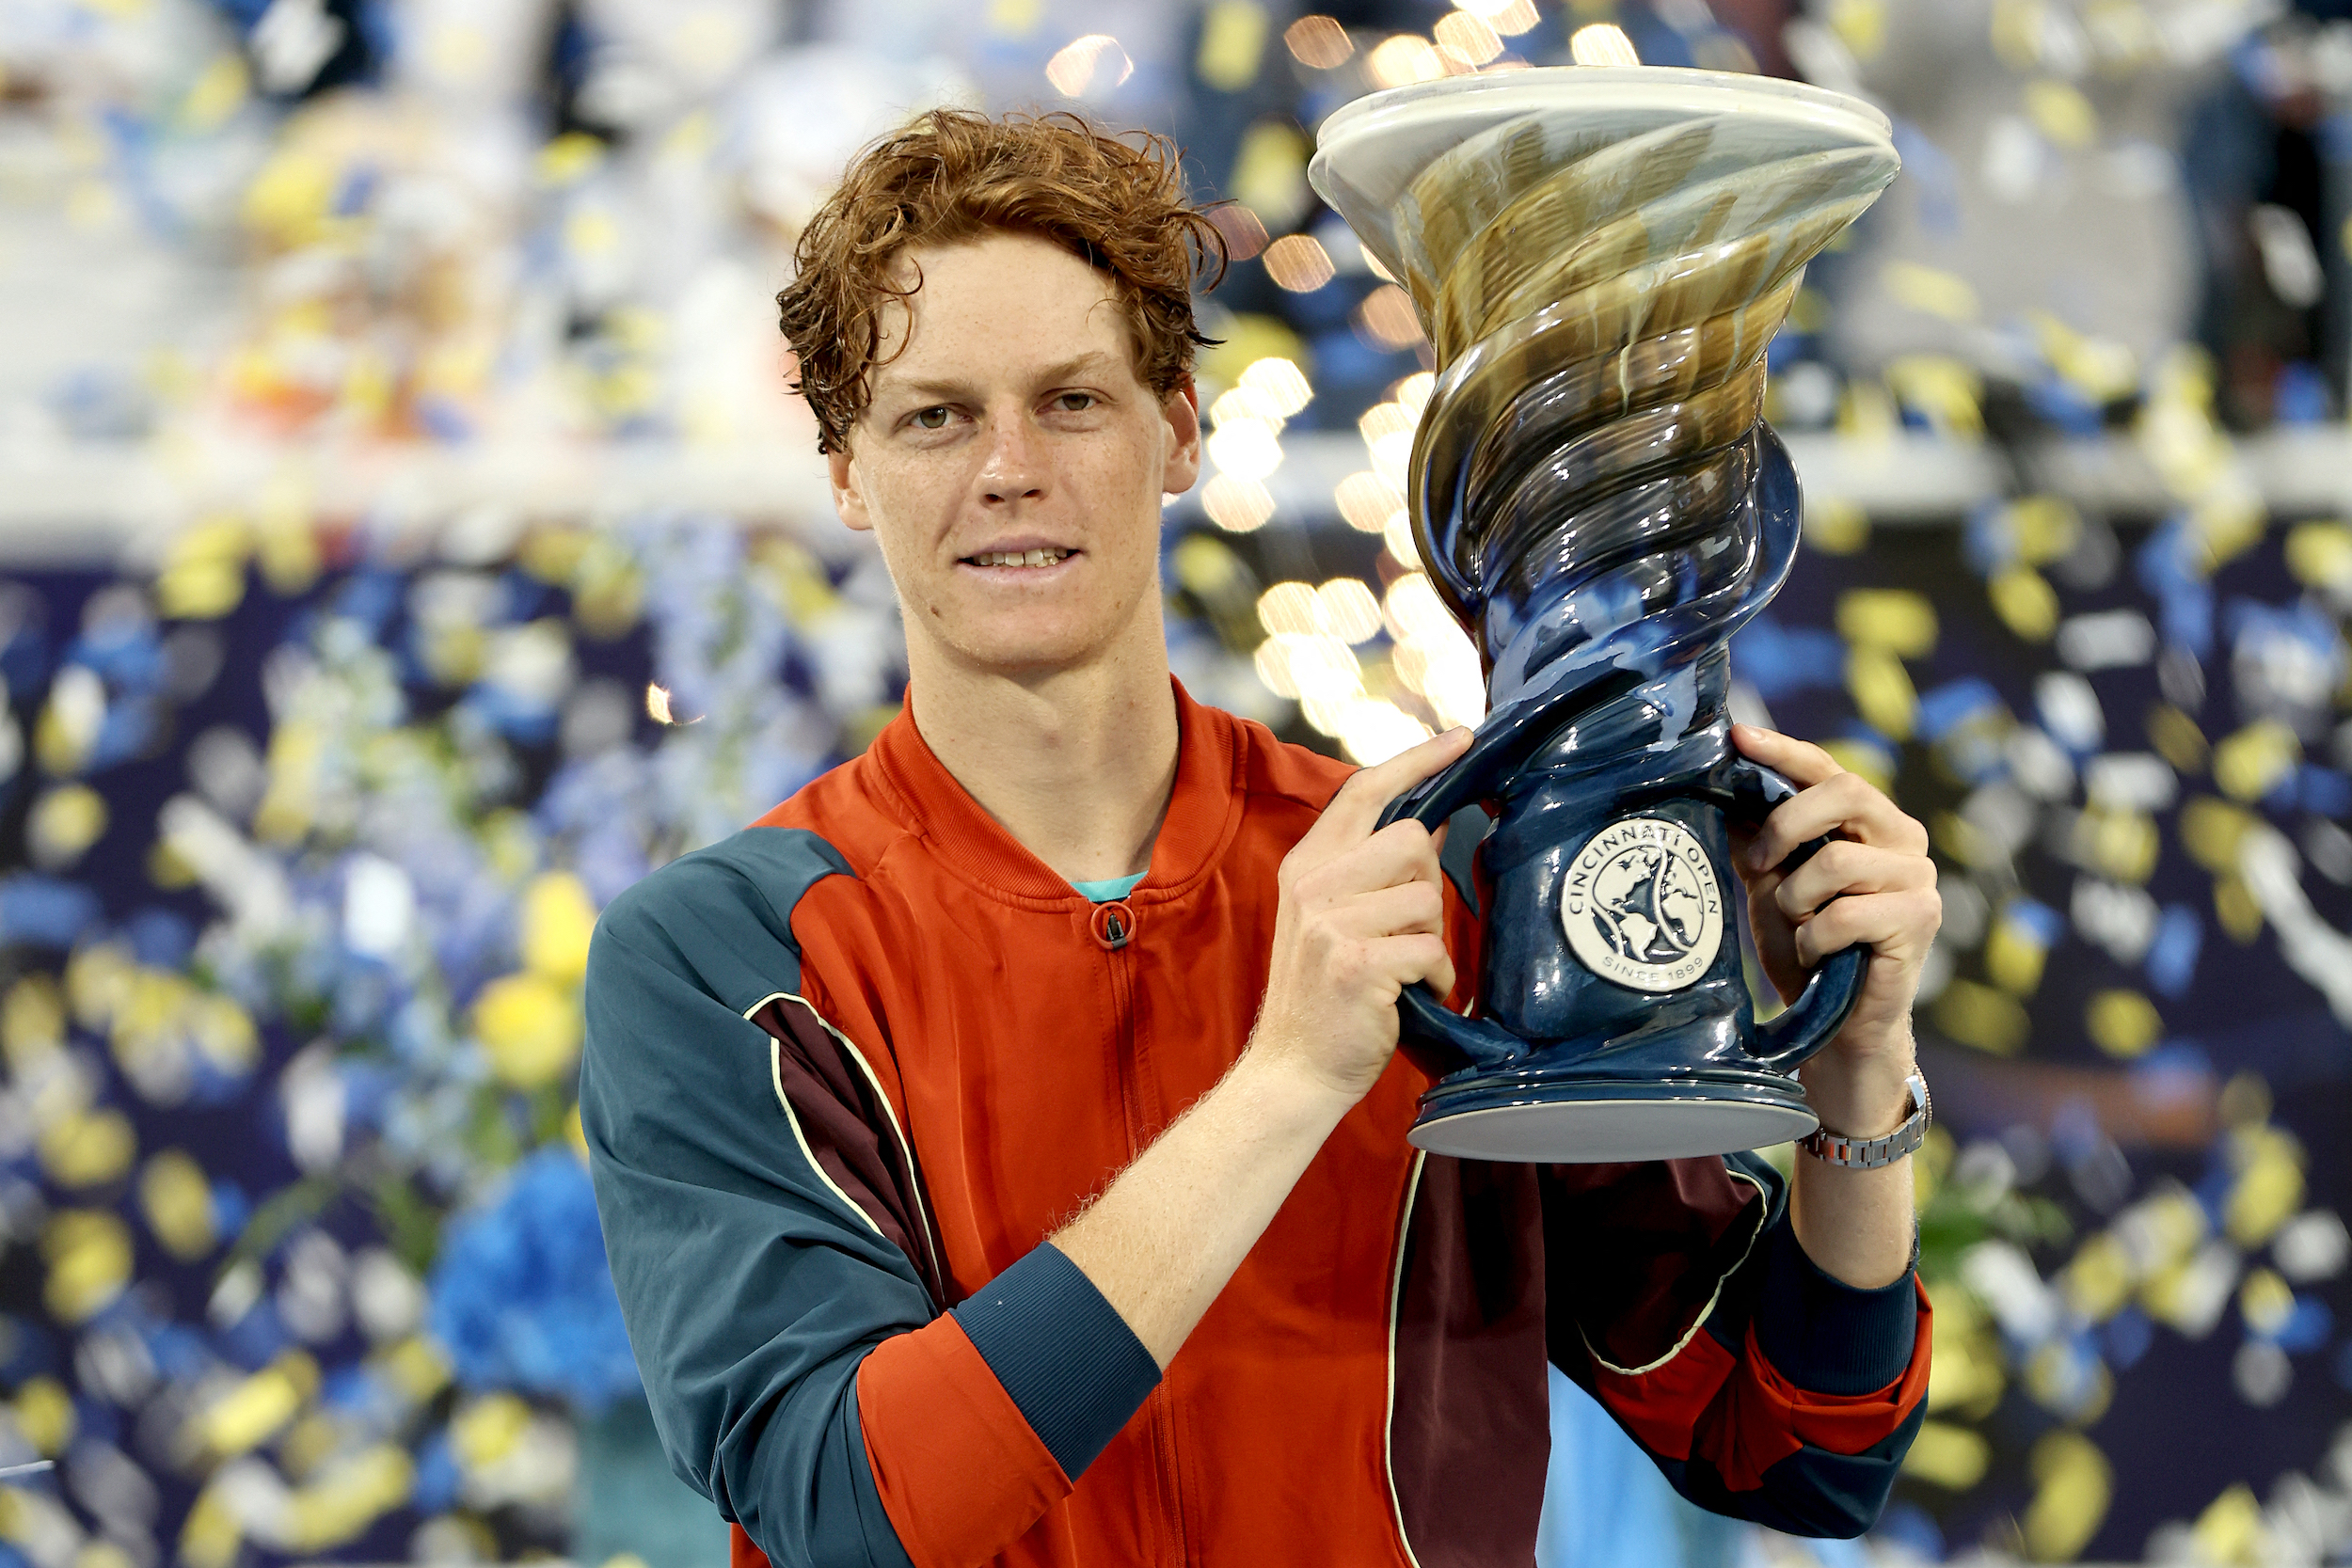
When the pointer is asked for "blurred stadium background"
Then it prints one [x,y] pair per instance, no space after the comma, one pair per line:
[405,542]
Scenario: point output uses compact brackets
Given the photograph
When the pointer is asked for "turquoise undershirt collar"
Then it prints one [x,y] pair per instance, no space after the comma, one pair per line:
[1110,888]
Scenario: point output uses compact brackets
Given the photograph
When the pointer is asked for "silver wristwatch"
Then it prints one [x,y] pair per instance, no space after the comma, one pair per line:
[1871,1153]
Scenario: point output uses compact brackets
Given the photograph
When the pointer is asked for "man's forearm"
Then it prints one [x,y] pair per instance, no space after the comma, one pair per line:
[1856,1225]
[1163,1240]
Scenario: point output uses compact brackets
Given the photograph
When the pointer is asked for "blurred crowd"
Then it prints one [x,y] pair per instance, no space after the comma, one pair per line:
[332,725]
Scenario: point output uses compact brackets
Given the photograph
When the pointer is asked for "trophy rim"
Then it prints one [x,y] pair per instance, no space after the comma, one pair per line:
[1359,132]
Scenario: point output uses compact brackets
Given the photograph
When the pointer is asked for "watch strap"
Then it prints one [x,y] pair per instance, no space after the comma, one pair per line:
[1836,1149]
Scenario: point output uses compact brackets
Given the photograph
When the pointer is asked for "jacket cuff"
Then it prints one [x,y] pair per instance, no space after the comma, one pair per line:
[1065,1356]
[1823,1334]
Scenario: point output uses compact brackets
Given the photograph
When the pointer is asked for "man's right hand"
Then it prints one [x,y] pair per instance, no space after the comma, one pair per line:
[1362,917]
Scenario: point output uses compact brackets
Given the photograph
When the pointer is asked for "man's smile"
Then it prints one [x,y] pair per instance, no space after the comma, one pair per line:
[1022,557]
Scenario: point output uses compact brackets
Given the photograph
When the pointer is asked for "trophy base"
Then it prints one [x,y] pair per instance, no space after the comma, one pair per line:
[1567,1120]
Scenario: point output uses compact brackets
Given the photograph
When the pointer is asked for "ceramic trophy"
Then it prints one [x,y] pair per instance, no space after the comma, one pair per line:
[1599,256]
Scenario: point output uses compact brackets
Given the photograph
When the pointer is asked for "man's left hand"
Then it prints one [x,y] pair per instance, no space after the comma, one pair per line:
[1872,882]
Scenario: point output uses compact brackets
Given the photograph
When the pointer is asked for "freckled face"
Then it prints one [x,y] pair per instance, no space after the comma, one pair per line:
[1010,463]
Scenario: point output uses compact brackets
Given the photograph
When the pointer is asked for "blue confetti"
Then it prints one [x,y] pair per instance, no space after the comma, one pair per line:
[1953,704]
[2172,960]
[45,911]
[1781,662]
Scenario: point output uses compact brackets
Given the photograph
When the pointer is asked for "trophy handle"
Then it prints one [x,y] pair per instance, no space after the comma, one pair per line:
[1813,1019]
[1424,1020]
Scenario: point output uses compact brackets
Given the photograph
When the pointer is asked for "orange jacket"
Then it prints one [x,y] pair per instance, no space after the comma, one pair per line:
[849,1069]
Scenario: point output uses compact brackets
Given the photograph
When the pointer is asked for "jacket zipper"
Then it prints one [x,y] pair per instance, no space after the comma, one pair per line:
[1114,928]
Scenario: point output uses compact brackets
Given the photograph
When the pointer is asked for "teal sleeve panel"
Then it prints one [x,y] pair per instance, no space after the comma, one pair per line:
[1823,1334]
[1069,1360]
[751,1287]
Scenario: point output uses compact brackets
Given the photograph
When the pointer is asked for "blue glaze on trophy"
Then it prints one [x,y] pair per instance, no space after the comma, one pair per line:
[1601,258]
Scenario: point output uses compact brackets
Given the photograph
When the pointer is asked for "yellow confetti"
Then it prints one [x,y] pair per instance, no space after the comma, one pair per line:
[1233,42]
[203,572]
[590,232]
[2245,1102]
[2270,1185]
[63,824]
[69,722]
[1874,763]
[2250,763]
[2026,603]
[177,1203]
[2177,738]
[1835,525]
[1893,619]
[1965,1376]
[88,1253]
[567,157]
[2231,1530]
[2017,30]
[350,1494]
[1883,693]
[224,1032]
[2045,528]
[2234,905]
[87,1148]
[1957,837]
[2101,369]
[2230,522]
[32,1021]
[2123,1023]
[1945,392]
[1929,291]
[220,89]
[1014,18]
[2212,831]
[2266,1301]
[2066,1383]
[1948,1456]
[2098,1279]
[44,1414]
[212,1534]
[288,200]
[2073,1485]
[529,1027]
[558,918]
[2013,957]
[1980,1016]
[485,1430]
[257,1406]
[416,1366]
[2122,845]
[311,1440]
[2061,113]
[297,749]
[2320,555]
[1860,25]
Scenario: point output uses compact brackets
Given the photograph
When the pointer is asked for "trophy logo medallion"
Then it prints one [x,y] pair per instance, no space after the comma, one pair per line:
[1640,906]
[1599,258]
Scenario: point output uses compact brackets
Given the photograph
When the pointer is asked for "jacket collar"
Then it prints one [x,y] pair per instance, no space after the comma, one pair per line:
[1203,812]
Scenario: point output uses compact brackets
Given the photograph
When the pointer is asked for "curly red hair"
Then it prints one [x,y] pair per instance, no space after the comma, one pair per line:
[1117,203]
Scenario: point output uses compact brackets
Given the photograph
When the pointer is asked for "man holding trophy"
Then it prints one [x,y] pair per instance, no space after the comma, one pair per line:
[1004,1149]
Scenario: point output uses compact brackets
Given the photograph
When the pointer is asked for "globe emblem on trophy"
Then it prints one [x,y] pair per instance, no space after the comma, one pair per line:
[1640,905]
[1599,258]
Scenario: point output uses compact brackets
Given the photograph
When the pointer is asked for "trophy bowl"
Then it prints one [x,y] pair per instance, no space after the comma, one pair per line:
[1600,257]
